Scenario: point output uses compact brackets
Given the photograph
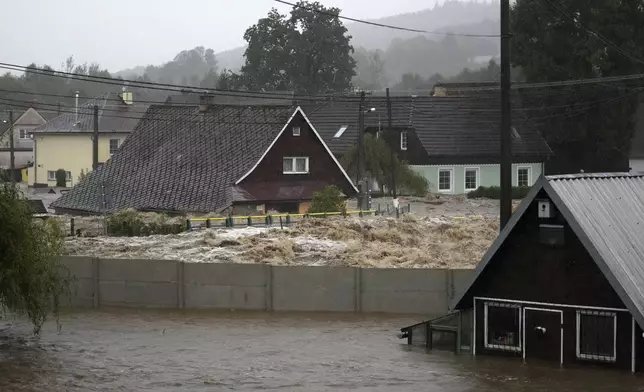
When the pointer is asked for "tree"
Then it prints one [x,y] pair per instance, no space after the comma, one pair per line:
[328,200]
[550,46]
[61,178]
[30,272]
[308,52]
[378,162]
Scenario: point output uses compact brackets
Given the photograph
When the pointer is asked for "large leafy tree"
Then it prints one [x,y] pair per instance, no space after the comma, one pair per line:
[307,51]
[567,39]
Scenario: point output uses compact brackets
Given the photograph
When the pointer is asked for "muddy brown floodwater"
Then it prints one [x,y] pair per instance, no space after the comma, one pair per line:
[127,350]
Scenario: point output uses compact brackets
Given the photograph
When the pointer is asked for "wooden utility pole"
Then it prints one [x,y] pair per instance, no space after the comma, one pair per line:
[361,163]
[506,117]
[394,141]
[95,140]
[12,148]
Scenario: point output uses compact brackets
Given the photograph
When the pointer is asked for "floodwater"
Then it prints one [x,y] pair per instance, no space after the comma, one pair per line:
[129,350]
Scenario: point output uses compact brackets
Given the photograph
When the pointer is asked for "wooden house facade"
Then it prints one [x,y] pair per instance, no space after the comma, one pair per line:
[564,280]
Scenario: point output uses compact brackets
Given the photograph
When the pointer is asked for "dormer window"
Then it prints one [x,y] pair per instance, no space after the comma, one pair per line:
[403,141]
[296,131]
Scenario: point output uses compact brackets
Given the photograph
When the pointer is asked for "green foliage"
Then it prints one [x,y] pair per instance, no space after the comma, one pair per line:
[30,271]
[194,67]
[328,200]
[307,51]
[131,223]
[61,178]
[378,163]
[494,192]
[82,176]
[5,175]
[583,136]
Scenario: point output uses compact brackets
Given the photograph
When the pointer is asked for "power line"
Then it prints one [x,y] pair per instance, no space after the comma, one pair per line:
[562,10]
[385,25]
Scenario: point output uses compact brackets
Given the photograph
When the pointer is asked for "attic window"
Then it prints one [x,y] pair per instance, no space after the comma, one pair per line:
[296,131]
[403,140]
[515,134]
[340,131]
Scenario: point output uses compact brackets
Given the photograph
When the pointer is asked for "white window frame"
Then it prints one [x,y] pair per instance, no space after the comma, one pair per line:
[26,131]
[403,138]
[295,166]
[51,175]
[602,358]
[451,179]
[502,347]
[529,168]
[478,178]
[297,131]
[118,145]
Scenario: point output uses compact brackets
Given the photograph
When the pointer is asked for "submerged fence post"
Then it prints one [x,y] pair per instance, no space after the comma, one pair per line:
[281,225]
[208,223]
[250,221]
[72,227]
[188,225]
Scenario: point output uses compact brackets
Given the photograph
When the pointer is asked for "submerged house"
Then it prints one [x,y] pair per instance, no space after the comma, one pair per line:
[208,158]
[564,280]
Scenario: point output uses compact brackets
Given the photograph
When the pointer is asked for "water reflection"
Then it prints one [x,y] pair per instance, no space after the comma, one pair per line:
[199,351]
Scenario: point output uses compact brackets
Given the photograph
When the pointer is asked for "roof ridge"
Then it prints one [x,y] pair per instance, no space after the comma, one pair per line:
[599,175]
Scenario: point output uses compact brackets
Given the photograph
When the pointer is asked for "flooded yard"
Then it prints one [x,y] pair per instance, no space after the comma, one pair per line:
[129,350]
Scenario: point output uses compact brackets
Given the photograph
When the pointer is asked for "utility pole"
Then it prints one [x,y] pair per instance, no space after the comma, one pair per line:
[394,140]
[506,117]
[95,140]
[361,163]
[12,149]
[58,112]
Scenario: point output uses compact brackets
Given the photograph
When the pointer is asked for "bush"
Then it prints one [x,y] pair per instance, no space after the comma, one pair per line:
[414,183]
[31,275]
[131,223]
[328,200]
[61,178]
[494,192]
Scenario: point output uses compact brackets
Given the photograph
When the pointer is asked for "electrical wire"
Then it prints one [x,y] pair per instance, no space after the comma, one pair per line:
[385,25]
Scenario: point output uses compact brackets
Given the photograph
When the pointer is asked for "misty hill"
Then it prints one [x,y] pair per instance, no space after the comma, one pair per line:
[405,52]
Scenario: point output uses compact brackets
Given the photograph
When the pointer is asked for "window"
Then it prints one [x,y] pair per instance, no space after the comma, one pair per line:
[24,134]
[403,140]
[502,324]
[524,176]
[471,178]
[51,175]
[295,165]
[296,131]
[597,335]
[340,131]
[445,180]
[69,176]
[114,146]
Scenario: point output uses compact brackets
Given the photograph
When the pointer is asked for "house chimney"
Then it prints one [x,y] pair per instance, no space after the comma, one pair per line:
[76,107]
[205,100]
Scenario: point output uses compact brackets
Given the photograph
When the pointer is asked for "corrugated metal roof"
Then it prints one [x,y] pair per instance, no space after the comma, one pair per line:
[606,212]
[609,209]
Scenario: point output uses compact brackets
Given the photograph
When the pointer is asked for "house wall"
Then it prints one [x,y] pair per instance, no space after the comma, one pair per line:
[489,175]
[72,152]
[525,270]
[321,164]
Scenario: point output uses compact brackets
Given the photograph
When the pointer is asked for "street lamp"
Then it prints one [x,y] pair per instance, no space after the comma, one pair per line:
[361,152]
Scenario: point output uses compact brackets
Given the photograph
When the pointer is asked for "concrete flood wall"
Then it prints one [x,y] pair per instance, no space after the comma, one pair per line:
[175,284]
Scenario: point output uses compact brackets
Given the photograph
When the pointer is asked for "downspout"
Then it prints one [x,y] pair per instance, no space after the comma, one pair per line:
[76,108]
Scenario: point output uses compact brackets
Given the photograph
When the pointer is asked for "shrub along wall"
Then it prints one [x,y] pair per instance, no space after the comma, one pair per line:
[494,192]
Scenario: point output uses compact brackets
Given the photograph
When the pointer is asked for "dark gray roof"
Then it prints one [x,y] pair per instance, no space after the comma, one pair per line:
[179,159]
[113,115]
[606,212]
[448,127]
[189,97]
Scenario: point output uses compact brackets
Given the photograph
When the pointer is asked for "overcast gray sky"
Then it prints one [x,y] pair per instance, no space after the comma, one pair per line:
[124,33]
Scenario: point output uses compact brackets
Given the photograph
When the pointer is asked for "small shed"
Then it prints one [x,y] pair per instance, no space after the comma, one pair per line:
[564,280]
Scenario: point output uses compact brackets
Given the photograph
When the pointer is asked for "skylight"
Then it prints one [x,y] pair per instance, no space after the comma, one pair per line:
[340,131]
